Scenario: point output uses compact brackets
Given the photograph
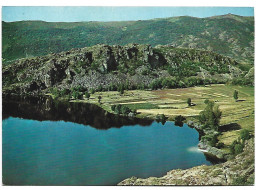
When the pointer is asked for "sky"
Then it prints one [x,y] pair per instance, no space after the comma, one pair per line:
[75,14]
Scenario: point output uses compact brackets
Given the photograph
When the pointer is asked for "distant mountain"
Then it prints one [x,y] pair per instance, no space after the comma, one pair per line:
[229,35]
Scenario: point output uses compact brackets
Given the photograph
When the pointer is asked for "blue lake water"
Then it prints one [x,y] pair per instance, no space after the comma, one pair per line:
[51,152]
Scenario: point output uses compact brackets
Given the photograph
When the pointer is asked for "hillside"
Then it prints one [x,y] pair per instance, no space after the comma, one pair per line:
[229,35]
[104,67]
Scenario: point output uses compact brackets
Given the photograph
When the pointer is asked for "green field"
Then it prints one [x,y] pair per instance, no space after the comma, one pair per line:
[236,115]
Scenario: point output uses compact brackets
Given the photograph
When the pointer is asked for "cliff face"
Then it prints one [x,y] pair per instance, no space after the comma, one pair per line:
[103,65]
[239,171]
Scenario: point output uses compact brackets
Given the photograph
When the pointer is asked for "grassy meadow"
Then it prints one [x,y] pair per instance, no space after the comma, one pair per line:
[236,115]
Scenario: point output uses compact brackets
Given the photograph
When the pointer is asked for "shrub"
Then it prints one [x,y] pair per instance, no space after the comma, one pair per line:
[220,145]
[92,91]
[100,88]
[241,180]
[210,139]
[125,110]
[99,99]
[161,118]
[113,107]
[238,148]
[87,95]
[179,120]
[121,109]
[118,109]
[121,89]
[244,134]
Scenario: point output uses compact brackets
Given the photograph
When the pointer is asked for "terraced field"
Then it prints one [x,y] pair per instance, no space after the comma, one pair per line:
[236,115]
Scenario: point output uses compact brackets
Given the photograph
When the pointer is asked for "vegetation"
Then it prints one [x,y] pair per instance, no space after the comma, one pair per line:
[179,120]
[34,38]
[122,109]
[237,146]
[161,118]
[87,95]
[210,116]
[242,180]
[210,139]
[245,134]
[99,99]
[235,95]
[189,101]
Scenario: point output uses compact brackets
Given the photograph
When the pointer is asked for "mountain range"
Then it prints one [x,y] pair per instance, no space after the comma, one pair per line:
[229,35]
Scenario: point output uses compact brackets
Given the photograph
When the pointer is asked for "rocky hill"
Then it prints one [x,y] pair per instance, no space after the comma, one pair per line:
[229,35]
[239,171]
[104,66]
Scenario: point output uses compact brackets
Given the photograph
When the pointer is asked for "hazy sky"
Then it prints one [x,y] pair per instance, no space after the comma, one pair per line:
[72,14]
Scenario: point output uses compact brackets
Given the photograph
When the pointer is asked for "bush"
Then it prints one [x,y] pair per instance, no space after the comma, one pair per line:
[241,180]
[220,145]
[244,134]
[92,91]
[236,147]
[179,120]
[99,99]
[210,139]
[113,107]
[161,118]
[100,88]
[121,109]
[87,95]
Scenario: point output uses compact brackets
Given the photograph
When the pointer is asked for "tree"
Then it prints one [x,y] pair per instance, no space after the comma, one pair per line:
[210,116]
[235,95]
[179,120]
[189,101]
[121,89]
[87,95]
[99,99]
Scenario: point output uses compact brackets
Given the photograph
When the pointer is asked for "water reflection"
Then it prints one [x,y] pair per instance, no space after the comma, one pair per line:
[45,108]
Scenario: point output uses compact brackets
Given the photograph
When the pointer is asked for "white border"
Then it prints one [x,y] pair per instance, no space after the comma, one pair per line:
[188,3]
[228,3]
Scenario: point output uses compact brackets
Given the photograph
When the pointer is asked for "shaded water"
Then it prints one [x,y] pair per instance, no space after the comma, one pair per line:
[62,144]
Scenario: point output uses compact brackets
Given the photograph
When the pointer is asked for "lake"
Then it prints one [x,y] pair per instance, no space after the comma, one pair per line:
[50,143]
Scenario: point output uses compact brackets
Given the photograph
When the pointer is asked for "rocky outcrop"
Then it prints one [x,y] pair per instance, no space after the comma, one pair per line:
[238,171]
[204,145]
[103,65]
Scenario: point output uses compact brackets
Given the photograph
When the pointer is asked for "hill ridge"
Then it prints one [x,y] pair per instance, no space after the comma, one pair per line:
[229,37]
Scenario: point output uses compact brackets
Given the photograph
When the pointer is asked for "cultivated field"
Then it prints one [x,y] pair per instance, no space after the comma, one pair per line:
[172,102]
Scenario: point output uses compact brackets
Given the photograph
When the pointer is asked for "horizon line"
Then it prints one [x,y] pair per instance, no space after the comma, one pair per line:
[126,20]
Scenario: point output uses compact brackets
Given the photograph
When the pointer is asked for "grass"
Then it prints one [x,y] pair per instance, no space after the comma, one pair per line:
[172,102]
